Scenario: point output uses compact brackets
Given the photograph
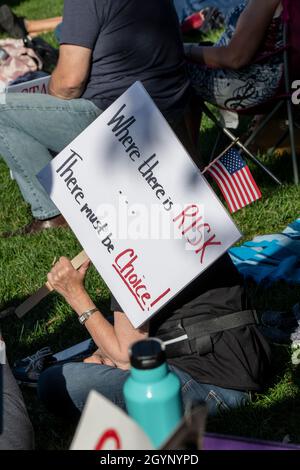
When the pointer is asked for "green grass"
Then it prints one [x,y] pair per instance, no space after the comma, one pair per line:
[25,262]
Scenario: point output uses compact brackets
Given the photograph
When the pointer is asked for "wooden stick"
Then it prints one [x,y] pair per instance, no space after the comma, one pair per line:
[34,299]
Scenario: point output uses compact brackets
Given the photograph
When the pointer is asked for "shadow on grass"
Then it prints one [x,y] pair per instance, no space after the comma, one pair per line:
[58,331]
[273,422]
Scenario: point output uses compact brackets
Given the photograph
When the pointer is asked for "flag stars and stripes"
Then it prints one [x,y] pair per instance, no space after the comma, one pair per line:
[234,179]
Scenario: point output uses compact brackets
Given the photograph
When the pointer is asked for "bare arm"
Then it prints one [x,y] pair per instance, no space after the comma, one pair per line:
[113,341]
[250,31]
[69,78]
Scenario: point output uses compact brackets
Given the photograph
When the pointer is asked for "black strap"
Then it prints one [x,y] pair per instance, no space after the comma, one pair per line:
[222,323]
[200,332]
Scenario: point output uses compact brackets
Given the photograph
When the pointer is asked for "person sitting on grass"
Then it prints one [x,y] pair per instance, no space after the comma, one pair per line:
[105,47]
[222,368]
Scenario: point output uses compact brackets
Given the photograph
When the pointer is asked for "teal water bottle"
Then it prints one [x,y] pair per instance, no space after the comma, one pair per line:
[152,392]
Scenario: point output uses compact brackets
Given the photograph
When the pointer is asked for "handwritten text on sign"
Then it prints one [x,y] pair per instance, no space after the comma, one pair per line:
[104,426]
[138,204]
[39,85]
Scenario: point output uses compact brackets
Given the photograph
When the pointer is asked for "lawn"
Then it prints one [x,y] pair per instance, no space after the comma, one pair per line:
[25,261]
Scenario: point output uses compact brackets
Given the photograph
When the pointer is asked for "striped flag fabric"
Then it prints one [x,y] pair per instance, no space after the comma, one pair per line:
[234,179]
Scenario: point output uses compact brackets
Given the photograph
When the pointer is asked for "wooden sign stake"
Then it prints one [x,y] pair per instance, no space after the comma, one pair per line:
[34,299]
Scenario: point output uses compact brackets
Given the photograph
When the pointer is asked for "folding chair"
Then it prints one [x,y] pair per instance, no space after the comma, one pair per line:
[291,72]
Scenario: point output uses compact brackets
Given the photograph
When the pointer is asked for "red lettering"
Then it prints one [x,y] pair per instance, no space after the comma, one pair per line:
[131,279]
[107,435]
[194,243]
[205,245]
[129,250]
[145,296]
[190,211]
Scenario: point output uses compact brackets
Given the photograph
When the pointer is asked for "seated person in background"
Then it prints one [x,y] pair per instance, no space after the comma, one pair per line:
[242,70]
[17,432]
[105,47]
[220,368]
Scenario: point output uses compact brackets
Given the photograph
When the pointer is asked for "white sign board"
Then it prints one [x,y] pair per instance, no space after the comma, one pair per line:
[40,85]
[2,351]
[138,204]
[104,426]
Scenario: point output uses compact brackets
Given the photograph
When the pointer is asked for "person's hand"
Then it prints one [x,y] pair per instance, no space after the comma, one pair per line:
[66,280]
[97,359]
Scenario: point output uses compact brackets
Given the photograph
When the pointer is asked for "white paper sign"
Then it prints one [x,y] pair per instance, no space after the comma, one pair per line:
[40,85]
[2,352]
[104,426]
[138,204]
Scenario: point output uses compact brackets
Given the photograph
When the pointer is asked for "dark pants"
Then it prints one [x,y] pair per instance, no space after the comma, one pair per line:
[17,432]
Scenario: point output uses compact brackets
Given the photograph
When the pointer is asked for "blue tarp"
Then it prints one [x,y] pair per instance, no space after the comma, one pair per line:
[270,258]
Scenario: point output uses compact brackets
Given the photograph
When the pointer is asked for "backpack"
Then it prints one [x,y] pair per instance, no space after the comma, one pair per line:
[20,60]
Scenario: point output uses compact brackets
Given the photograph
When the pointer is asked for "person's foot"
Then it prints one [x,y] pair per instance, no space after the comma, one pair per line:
[12,24]
[37,226]
[28,370]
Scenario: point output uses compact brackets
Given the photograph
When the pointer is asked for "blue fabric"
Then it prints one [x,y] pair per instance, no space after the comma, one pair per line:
[186,8]
[271,258]
[64,389]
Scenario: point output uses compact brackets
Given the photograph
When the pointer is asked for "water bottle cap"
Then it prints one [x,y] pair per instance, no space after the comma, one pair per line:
[147,354]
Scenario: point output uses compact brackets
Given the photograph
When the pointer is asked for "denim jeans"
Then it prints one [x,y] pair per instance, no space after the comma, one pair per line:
[64,389]
[30,127]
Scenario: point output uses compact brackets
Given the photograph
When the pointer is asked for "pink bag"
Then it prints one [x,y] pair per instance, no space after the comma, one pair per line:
[20,60]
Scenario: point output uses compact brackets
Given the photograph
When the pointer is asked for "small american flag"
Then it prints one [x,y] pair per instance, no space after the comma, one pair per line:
[234,179]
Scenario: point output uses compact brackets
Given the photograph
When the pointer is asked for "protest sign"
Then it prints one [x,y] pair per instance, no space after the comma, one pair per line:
[104,426]
[138,204]
[39,85]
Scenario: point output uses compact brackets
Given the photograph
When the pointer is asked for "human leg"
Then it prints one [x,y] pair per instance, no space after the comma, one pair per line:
[30,126]
[39,26]
[64,389]
[17,429]
[217,399]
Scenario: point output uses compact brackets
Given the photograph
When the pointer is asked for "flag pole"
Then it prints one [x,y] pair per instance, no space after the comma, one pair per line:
[219,156]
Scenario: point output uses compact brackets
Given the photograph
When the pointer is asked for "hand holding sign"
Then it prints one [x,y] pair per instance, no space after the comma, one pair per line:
[122,179]
[34,299]
[67,280]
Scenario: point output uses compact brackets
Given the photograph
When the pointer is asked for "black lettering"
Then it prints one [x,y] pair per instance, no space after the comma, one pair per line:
[68,159]
[86,209]
[168,204]
[146,164]
[68,170]
[102,228]
[160,191]
[71,181]
[108,244]
[127,140]
[119,120]
[79,195]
